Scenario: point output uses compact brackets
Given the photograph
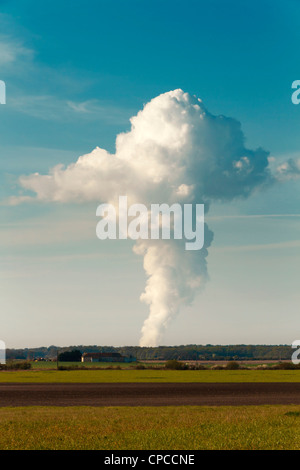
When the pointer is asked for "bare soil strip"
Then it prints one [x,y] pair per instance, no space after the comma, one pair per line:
[149,394]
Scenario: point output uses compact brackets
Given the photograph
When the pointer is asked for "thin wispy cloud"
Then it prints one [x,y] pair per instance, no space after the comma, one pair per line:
[53,108]
[47,232]
[12,51]
[56,91]
[248,216]
[291,244]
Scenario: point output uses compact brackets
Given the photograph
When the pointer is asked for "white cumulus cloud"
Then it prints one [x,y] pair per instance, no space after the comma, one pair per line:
[175,151]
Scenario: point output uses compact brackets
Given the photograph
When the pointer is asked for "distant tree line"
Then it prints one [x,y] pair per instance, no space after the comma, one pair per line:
[163,353]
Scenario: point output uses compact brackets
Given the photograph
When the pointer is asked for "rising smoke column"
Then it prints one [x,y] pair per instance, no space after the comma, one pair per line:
[176,151]
[174,277]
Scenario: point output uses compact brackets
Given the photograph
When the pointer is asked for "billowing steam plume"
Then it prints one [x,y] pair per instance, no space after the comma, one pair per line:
[176,151]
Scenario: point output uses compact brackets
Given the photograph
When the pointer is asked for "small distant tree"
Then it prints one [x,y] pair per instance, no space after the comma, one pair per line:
[232,365]
[22,365]
[287,366]
[175,365]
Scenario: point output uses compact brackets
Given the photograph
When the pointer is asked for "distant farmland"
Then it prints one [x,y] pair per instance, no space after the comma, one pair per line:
[164,353]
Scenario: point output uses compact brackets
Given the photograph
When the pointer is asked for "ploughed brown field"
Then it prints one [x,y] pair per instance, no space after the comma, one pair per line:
[148,394]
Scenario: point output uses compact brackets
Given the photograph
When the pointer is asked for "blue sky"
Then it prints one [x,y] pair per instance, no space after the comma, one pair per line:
[74,77]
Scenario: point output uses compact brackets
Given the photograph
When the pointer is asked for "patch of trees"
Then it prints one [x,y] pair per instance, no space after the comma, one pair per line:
[163,353]
[70,356]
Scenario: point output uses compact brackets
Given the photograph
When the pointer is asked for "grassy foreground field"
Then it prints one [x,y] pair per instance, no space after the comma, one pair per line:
[159,376]
[148,428]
